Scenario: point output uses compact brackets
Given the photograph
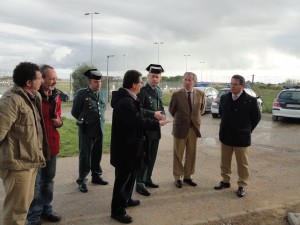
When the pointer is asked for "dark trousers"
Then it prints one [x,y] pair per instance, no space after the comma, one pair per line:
[90,154]
[43,193]
[122,192]
[145,173]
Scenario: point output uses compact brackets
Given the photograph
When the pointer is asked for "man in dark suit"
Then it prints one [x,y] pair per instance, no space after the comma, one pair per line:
[239,116]
[150,98]
[127,137]
[88,108]
[186,106]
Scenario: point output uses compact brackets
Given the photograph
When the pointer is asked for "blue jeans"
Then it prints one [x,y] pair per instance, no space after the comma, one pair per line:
[43,193]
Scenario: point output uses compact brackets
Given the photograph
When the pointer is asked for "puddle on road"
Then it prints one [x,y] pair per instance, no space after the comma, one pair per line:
[210,141]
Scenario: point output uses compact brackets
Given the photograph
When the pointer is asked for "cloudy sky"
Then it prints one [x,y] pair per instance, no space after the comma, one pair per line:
[213,38]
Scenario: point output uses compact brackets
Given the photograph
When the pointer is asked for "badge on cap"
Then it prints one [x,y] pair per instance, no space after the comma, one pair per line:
[93,74]
[155,68]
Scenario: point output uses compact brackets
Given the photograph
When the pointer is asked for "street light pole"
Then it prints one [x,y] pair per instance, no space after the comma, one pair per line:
[158,43]
[202,70]
[92,32]
[107,83]
[186,62]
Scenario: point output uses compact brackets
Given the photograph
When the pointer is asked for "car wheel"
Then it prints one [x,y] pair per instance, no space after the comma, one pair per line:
[214,115]
[275,118]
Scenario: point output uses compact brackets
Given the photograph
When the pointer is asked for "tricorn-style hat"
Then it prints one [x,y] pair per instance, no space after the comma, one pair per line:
[155,68]
[93,74]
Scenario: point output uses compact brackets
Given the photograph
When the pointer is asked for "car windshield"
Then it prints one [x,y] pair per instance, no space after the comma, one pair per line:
[291,95]
[222,92]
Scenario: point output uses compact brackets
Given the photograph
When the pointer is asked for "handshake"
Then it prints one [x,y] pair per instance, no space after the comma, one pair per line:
[161,118]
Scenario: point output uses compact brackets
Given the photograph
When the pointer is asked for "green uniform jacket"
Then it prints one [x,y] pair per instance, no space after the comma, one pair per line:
[151,101]
[89,109]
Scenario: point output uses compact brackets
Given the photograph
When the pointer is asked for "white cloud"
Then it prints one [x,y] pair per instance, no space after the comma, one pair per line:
[61,52]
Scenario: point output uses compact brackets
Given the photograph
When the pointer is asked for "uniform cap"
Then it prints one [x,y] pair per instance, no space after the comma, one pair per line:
[93,74]
[155,68]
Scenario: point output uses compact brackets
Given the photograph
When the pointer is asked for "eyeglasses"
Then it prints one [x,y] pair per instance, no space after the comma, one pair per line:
[234,85]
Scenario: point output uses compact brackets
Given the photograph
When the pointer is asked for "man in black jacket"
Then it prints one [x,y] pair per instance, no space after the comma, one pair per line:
[239,116]
[126,150]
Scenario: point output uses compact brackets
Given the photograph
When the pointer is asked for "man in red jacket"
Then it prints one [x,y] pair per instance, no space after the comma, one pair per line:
[51,108]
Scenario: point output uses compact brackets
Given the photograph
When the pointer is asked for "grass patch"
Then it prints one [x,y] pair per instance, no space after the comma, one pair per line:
[69,138]
[66,104]
[268,96]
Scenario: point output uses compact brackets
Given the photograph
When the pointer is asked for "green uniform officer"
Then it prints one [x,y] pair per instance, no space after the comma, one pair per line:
[89,108]
[150,98]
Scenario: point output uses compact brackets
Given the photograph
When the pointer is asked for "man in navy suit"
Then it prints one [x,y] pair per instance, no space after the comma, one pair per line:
[240,115]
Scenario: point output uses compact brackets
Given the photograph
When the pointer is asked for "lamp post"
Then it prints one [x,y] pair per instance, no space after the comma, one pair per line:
[202,69]
[92,18]
[158,43]
[186,62]
[107,83]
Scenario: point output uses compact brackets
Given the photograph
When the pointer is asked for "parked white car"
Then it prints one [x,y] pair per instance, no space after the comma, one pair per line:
[286,104]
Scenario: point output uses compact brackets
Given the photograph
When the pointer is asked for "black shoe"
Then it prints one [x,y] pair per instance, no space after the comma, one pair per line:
[151,184]
[190,182]
[241,192]
[99,180]
[142,191]
[51,216]
[83,188]
[178,183]
[122,218]
[132,203]
[222,185]
[35,223]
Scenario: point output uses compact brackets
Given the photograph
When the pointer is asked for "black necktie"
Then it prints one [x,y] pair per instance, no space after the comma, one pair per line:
[189,100]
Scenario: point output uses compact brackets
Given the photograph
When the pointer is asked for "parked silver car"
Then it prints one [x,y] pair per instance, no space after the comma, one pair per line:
[216,101]
[210,94]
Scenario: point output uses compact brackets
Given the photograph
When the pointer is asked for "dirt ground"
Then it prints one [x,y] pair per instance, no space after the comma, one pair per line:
[270,217]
